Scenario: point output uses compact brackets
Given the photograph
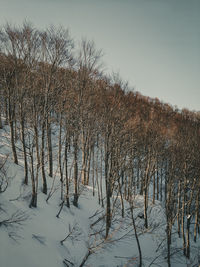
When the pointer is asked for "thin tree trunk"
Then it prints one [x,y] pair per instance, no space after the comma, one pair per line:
[49,145]
[1,124]
[101,180]
[138,173]
[121,198]
[15,129]
[188,236]
[183,220]
[66,174]
[89,153]
[189,216]
[59,156]
[36,131]
[108,190]
[13,142]
[161,182]
[154,188]
[136,236]
[168,244]
[75,201]
[44,189]
[145,207]
[196,216]
[146,189]
[24,150]
[93,170]
[12,134]
[179,208]
[157,183]
[108,210]
[83,170]
[33,202]
[6,111]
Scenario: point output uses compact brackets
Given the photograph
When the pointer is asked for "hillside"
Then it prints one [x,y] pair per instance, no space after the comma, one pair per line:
[36,239]
[91,172]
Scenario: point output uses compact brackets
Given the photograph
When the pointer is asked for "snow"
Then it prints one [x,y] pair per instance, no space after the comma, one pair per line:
[36,242]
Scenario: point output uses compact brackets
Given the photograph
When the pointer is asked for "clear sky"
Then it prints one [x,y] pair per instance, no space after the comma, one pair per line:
[154,44]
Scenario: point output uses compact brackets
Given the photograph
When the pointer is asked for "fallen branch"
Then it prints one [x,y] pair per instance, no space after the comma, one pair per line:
[98,220]
[65,261]
[89,252]
[17,218]
[61,207]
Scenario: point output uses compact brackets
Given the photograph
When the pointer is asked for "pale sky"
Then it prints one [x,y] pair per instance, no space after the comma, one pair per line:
[154,44]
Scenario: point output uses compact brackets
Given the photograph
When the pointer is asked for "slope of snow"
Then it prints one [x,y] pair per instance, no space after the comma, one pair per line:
[36,242]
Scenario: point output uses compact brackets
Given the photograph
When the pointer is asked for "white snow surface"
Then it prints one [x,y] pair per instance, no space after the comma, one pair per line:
[36,242]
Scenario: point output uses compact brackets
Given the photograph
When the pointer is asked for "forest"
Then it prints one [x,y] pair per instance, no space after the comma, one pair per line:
[72,124]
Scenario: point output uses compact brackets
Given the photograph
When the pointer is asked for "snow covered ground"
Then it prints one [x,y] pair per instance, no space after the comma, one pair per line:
[36,240]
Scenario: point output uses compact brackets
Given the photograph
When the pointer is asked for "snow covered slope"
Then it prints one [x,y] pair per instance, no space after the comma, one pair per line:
[37,238]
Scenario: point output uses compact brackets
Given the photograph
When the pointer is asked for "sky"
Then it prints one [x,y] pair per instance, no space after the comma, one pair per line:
[153,44]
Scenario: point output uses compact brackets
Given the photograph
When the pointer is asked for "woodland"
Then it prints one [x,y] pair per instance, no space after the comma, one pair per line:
[109,137]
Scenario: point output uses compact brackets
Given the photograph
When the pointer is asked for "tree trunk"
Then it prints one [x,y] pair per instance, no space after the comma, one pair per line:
[89,152]
[1,124]
[196,216]
[145,207]
[84,161]
[108,210]
[179,208]
[161,182]
[12,134]
[121,198]
[188,236]
[59,156]
[6,111]
[33,202]
[44,189]
[24,150]
[101,180]
[108,190]
[36,131]
[49,145]
[66,174]
[183,223]
[168,244]
[15,129]
[93,171]
[75,201]
[157,183]
[138,173]
[154,188]
[136,236]
[146,192]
